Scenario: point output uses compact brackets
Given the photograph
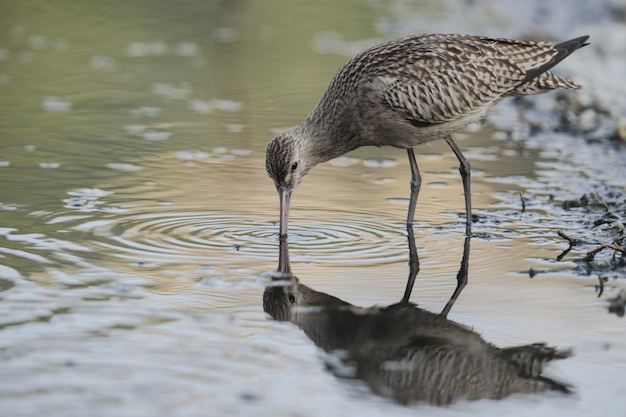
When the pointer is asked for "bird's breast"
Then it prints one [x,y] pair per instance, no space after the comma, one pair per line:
[379,125]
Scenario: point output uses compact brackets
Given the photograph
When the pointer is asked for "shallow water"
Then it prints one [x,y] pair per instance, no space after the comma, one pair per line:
[138,226]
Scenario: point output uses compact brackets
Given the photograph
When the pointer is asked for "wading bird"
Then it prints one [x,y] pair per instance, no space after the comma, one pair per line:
[411,91]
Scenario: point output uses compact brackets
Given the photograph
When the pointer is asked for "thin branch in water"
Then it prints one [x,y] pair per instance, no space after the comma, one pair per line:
[571,240]
[592,253]
[600,286]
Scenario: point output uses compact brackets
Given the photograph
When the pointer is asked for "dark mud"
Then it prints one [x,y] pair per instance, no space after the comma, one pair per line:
[599,241]
[595,214]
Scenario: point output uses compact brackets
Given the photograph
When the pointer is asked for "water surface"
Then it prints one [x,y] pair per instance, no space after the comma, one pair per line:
[138,226]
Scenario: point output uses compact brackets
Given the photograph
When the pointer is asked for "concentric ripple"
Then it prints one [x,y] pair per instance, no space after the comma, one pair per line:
[348,241]
[225,238]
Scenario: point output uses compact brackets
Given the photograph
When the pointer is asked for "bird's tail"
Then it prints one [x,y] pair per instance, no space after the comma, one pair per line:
[563,50]
[530,360]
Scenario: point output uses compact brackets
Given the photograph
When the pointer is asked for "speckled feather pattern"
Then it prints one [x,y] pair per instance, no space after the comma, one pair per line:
[438,78]
[414,90]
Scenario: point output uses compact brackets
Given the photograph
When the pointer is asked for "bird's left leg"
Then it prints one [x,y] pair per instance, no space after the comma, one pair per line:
[464,169]
[416,183]
[414,264]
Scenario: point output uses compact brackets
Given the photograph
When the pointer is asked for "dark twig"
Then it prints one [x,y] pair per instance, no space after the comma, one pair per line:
[592,253]
[571,241]
[600,286]
[618,304]
[563,254]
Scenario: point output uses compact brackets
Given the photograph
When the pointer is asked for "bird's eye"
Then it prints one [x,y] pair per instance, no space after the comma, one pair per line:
[292,299]
[294,166]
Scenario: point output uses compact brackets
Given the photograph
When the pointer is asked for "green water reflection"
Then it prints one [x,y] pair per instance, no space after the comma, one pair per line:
[76,77]
[101,95]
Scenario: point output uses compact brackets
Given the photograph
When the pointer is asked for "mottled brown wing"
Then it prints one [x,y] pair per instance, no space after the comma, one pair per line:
[451,89]
[441,78]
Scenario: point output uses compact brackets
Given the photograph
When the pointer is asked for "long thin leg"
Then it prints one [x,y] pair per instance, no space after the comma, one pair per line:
[414,264]
[461,278]
[464,169]
[416,183]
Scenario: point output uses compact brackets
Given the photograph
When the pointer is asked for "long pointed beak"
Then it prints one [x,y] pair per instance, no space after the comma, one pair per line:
[283,258]
[285,199]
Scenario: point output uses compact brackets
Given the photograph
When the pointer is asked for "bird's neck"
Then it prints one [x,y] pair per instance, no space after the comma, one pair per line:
[324,142]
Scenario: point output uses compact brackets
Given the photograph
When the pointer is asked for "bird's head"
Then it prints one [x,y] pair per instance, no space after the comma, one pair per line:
[285,159]
[286,163]
[286,299]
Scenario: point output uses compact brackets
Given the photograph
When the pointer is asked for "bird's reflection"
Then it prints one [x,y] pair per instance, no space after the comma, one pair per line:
[414,267]
[404,352]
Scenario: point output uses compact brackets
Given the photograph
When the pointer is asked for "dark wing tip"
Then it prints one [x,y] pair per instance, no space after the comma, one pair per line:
[563,50]
[573,44]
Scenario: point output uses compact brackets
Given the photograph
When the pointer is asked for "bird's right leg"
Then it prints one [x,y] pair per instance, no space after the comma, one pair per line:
[461,278]
[465,171]
[416,183]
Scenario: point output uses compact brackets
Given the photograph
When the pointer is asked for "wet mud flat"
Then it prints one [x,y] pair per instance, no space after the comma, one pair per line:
[599,241]
[590,209]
